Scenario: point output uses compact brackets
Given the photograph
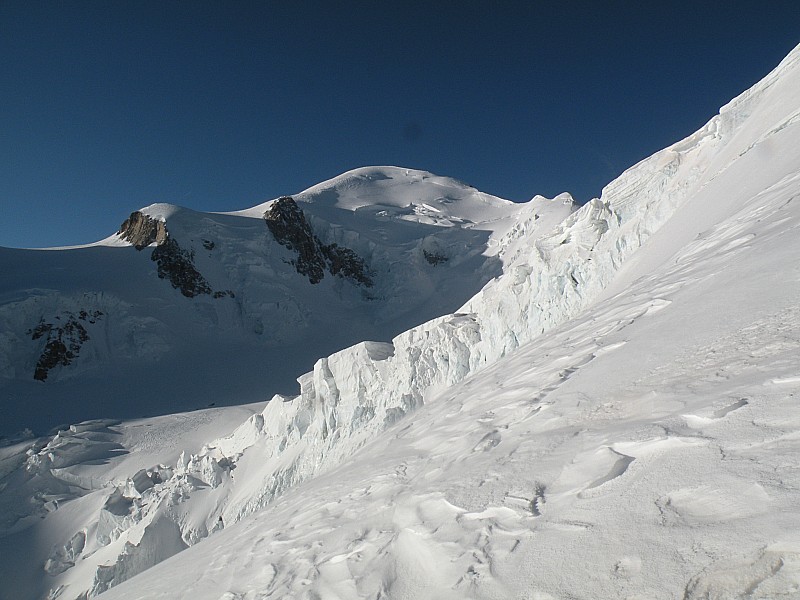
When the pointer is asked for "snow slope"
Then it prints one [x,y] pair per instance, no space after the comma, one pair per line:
[612,417]
[104,330]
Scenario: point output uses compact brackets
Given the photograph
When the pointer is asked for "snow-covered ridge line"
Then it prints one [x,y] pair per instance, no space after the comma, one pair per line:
[559,277]
[355,394]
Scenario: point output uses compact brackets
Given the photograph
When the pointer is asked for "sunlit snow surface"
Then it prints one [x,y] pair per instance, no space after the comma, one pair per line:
[613,417]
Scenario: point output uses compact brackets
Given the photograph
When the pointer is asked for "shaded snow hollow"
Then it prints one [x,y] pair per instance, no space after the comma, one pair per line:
[611,417]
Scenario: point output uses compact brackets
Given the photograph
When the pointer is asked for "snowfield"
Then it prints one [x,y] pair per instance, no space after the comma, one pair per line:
[612,415]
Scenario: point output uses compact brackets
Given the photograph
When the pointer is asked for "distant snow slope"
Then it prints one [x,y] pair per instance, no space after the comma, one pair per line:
[211,308]
[612,417]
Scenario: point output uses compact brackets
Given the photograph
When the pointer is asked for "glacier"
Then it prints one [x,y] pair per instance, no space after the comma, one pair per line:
[604,418]
[219,294]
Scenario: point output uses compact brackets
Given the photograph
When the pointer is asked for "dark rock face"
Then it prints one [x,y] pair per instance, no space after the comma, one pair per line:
[289,226]
[346,263]
[175,264]
[141,230]
[434,258]
[64,341]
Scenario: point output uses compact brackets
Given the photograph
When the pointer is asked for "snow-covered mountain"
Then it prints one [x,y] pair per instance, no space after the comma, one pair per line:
[612,415]
[181,310]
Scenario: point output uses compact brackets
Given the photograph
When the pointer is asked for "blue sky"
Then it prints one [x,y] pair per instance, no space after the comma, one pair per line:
[110,106]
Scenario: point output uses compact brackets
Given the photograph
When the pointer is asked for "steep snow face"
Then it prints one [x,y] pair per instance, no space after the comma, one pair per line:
[645,449]
[455,464]
[647,435]
[224,298]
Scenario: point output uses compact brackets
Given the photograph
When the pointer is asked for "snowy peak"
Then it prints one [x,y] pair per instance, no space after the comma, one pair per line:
[381,249]
[394,186]
[605,350]
[162,211]
[396,194]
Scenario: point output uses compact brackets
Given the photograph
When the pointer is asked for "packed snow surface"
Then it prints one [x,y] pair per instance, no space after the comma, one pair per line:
[612,416]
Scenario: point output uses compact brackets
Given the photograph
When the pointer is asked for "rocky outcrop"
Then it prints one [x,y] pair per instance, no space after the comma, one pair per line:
[176,265]
[65,337]
[142,230]
[291,229]
[346,263]
[289,226]
[434,258]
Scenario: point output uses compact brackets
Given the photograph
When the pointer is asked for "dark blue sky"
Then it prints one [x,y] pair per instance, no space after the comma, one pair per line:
[110,106]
